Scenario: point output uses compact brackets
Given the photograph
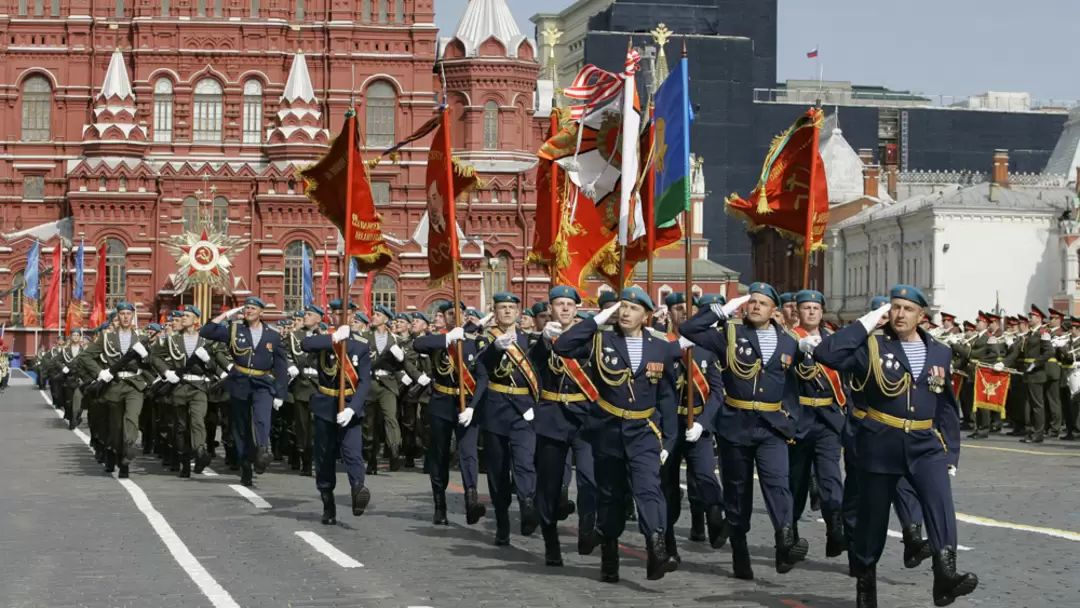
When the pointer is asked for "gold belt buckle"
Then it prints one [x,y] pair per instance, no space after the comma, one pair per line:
[907,425]
[564,398]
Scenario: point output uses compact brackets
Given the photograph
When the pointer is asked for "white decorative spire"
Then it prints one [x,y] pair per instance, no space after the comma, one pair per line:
[116,82]
[298,86]
[485,19]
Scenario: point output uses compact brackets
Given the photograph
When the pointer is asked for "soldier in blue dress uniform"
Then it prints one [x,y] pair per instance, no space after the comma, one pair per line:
[757,418]
[339,433]
[257,382]
[506,414]
[443,417]
[911,430]
[567,395]
[635,426]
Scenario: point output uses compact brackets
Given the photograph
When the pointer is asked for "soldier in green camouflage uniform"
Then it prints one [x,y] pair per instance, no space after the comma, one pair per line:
[305,379]
[417,395]
[380,411]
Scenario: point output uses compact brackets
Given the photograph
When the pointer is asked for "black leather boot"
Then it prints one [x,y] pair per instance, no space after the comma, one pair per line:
[294,461]
[835,540]
[609,561]
[110,461]
[474,509]
[122,471]
[202,460]
[502,527]
[361,496]
[185,466]
[815,494]
[697,523]
[395,459]
[329,508]
[866,587]
[740,558]
[529,517]
[566,506]
[671,546]
[262,459]
[552,549]
[439,518]
[916,548]
[948,585]
[588,538]
[790,549]
[719,530]
[305,464]
[659,562]
[246,477]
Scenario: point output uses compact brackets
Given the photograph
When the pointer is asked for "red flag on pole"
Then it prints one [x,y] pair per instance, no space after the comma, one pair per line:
[445,180]
[369,284]
[97,317]
[52,297]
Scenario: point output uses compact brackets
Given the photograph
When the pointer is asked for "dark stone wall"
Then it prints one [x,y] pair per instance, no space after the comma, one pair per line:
[965,140]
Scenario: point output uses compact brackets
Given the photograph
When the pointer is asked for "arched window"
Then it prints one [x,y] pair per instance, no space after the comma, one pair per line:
[434,308]
[496,276]
[36,109]
[381,101]
[207,114]
[163,110]
[200,8]
[220,216]
[491,126]
[384,291]
[382,10]
[219,7]
[299,10]
[191,214]
[495,196]
[294,273]
[17,297]
[253,112]
[115,272]
[254,8]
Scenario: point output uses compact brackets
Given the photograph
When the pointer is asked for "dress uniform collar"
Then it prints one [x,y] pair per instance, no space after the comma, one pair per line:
[892,344]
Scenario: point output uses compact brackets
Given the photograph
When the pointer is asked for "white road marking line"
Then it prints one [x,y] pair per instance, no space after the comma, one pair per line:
[252,497]
[47,396]
[322,546]
[993,523]
[209,472]
[198,574]
[895,534]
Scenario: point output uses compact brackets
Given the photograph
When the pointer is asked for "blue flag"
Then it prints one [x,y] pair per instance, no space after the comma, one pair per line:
[308,296]
[353,271]
[31,273]
[673,115]
[77,293]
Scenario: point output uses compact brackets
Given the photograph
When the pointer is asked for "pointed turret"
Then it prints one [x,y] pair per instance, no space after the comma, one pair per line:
[114,130]
[298,134]
[487,28]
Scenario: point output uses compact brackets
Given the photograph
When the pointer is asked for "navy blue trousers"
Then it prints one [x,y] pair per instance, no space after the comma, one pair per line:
[818,453]
[905,503]
[700,475]
[249,421]
[930,479]
[552,464]
[769,452]
[515,451]
[640,470]
[438,452]
[330,440]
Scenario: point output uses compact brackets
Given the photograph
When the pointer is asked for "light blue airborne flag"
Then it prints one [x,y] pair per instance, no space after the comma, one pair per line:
[77,293]
[353,271]
[308,295]
[673,116]
[30,275]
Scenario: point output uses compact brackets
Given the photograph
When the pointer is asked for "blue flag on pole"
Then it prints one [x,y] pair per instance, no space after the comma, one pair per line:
[308,293]
[77,293]
[31,273]
[673,116]
[353,271]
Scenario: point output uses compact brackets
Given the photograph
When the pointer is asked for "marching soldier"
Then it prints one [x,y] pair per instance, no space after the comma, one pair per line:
[164,416]
[56,378]
[257,382]
[1069,353]
[911,430]
[1059,337]
[541,314]
[304,383]
[1016,400]
[982,349]
[387,363]
[757,419]
[340,433]
[443,417]
[635,430]
[527,323]
[416,397]
[1035,350]
[70,379]
[789,310]
[217,398]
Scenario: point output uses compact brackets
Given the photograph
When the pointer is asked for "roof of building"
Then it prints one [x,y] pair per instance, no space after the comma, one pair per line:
[675,268]
[298,86]
[1066,156]
[843,167]
[485,19]
[116,82]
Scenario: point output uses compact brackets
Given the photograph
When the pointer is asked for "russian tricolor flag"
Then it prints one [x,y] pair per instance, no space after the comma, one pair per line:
[812,54]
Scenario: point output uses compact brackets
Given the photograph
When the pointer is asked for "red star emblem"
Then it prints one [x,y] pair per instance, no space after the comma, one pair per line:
[203,244]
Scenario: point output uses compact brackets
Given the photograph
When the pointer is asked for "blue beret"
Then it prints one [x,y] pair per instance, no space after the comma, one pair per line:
[254,301]
[877,302]
[909,293]
[152,327]
[335,303]
[360,316]
[581,314]
[675,297]
[282,322]
[711,298]
[192,309]
[539,307]
[315,309]
[384,311]
[606,297]
[787,296]
[809,295]
[766,290]
[445,306]
[323,326]
[637,295]
[112,315]
[176,314]
[472,312]
[124,306]
[401,315]
[421,316]
[564,291]
[298,314]
[504,297]
[528,312]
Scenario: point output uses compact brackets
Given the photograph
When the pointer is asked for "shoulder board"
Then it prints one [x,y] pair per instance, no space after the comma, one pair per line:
[734,321]
[477,336]
[607,327]
[793,335]
[362,339]
[658,334]
[878,332]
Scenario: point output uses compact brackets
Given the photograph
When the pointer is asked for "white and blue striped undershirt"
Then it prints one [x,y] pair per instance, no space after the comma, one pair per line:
[256,335]
[767,340]
[380,341]
[125,340]
[190,341]
[916,356]
[634,347]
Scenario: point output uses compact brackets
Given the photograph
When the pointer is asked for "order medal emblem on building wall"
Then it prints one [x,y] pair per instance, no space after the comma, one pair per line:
[204,254]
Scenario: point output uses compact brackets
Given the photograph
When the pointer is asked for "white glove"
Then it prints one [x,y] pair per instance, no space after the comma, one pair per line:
[171,376]
[456,334]
[465,418]
[1031,367]
[66,370]
[202,354]
[405,379]
[602,317]
[663,456]
[694,432]
[233,311]
[293,372]
[341,333]
[278,403]
[423,380]
[139,348]
[952,471]
[487,319]
[229,369]
[999,366]
[225,374]
[504,341]
[552,330]
[1059,342]
[992,340]
[809,343]
[870,319]
[684,343]
[728,309]
[529,415]
[397,352]
[345,416]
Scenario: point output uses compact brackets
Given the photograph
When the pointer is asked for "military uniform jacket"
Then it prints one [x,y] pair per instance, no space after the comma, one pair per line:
[171,354]
[67,359]
[302,387]
[1069,353]
[823,394]
[104,352]
[753,393]
[891,439]
[629,392]
[556,418]
[323,350]
[707,362]
[417,364]
[513,387]
[1030,353]
[1053,365]
[255,366]
[444,398]
[385,367]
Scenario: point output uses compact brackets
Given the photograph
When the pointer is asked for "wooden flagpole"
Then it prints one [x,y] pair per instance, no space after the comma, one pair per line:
[808,241]
[343,355]
[553,179]
[455,256]
[688,233]
[649,200]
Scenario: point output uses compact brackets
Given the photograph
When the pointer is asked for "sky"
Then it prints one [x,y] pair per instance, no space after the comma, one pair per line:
[952,48]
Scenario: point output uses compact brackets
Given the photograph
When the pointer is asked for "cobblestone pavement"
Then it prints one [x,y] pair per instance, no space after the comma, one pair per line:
[72,536]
